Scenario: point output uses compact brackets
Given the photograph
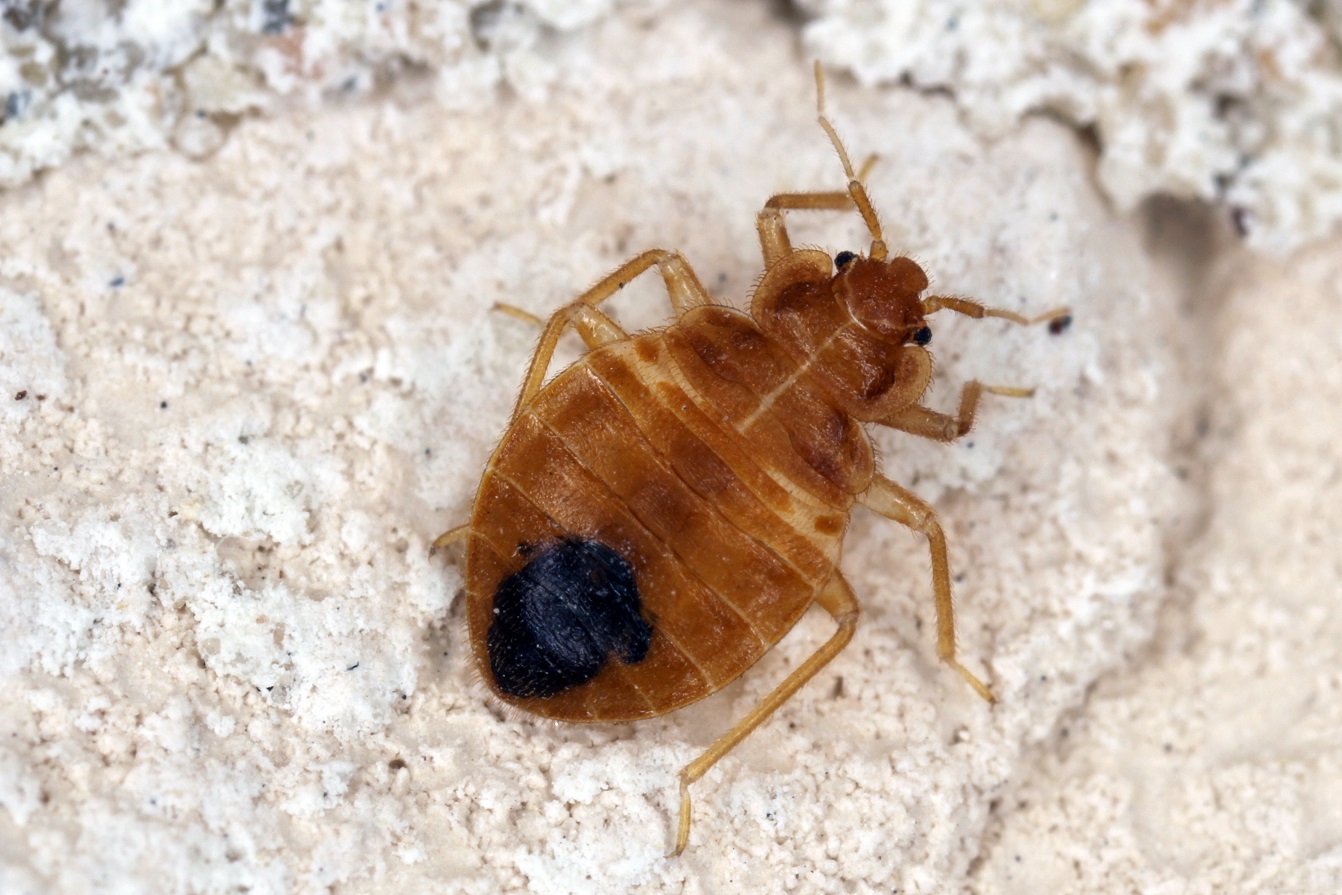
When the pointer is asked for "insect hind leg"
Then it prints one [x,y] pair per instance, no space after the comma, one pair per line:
[837,599]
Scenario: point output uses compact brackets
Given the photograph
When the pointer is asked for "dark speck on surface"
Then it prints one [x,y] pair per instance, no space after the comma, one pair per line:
[24,15]
[275,17]
[1239,219]
[16,104]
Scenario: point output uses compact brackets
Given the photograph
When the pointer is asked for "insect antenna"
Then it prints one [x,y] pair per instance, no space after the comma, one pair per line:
[855,187]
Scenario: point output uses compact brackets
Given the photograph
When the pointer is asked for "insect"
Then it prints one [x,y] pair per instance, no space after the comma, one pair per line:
[663,511]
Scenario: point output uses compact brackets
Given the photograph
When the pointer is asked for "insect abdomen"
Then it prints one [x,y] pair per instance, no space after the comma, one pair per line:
[614,453]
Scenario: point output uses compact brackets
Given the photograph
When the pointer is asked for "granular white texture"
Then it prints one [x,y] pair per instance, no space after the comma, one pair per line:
[243,395]
[1216,765]
[1238,103]
[144,74]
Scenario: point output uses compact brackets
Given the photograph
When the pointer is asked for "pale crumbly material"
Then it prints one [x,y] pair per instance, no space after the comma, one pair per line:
[1235,103]
[137,75]
[241,396]
[1214,765]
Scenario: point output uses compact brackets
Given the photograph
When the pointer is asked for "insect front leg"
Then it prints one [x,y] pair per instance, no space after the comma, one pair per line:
[774,241]
[918,420]
[893,501]
[837,599]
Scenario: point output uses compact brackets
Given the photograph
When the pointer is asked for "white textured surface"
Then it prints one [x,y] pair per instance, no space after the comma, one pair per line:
[1236,102]
[1216,765]
[145,74]
[256,387]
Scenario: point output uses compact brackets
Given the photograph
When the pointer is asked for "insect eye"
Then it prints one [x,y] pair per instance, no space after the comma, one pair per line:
[843,259]
[923,336]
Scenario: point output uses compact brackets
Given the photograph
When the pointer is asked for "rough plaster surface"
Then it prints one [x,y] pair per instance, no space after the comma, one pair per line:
[146,74]
[1215,765]
[1234,102]
[242,395]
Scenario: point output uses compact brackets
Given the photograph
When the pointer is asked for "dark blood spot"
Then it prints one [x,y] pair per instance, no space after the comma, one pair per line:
[557,621]
[1058,325]
[21,394]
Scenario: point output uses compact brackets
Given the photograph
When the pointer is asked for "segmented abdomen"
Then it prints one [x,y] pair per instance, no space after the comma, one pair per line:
[722,491]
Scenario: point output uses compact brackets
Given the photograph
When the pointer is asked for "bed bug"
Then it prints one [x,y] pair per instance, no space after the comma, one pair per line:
[665,510]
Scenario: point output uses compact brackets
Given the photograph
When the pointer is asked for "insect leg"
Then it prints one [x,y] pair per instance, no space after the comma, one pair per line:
[596,328]
[769,222]
[450,537]
[974,309]
[918,420]
[682,286]
[837,599]
[903,506]
[592,326]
